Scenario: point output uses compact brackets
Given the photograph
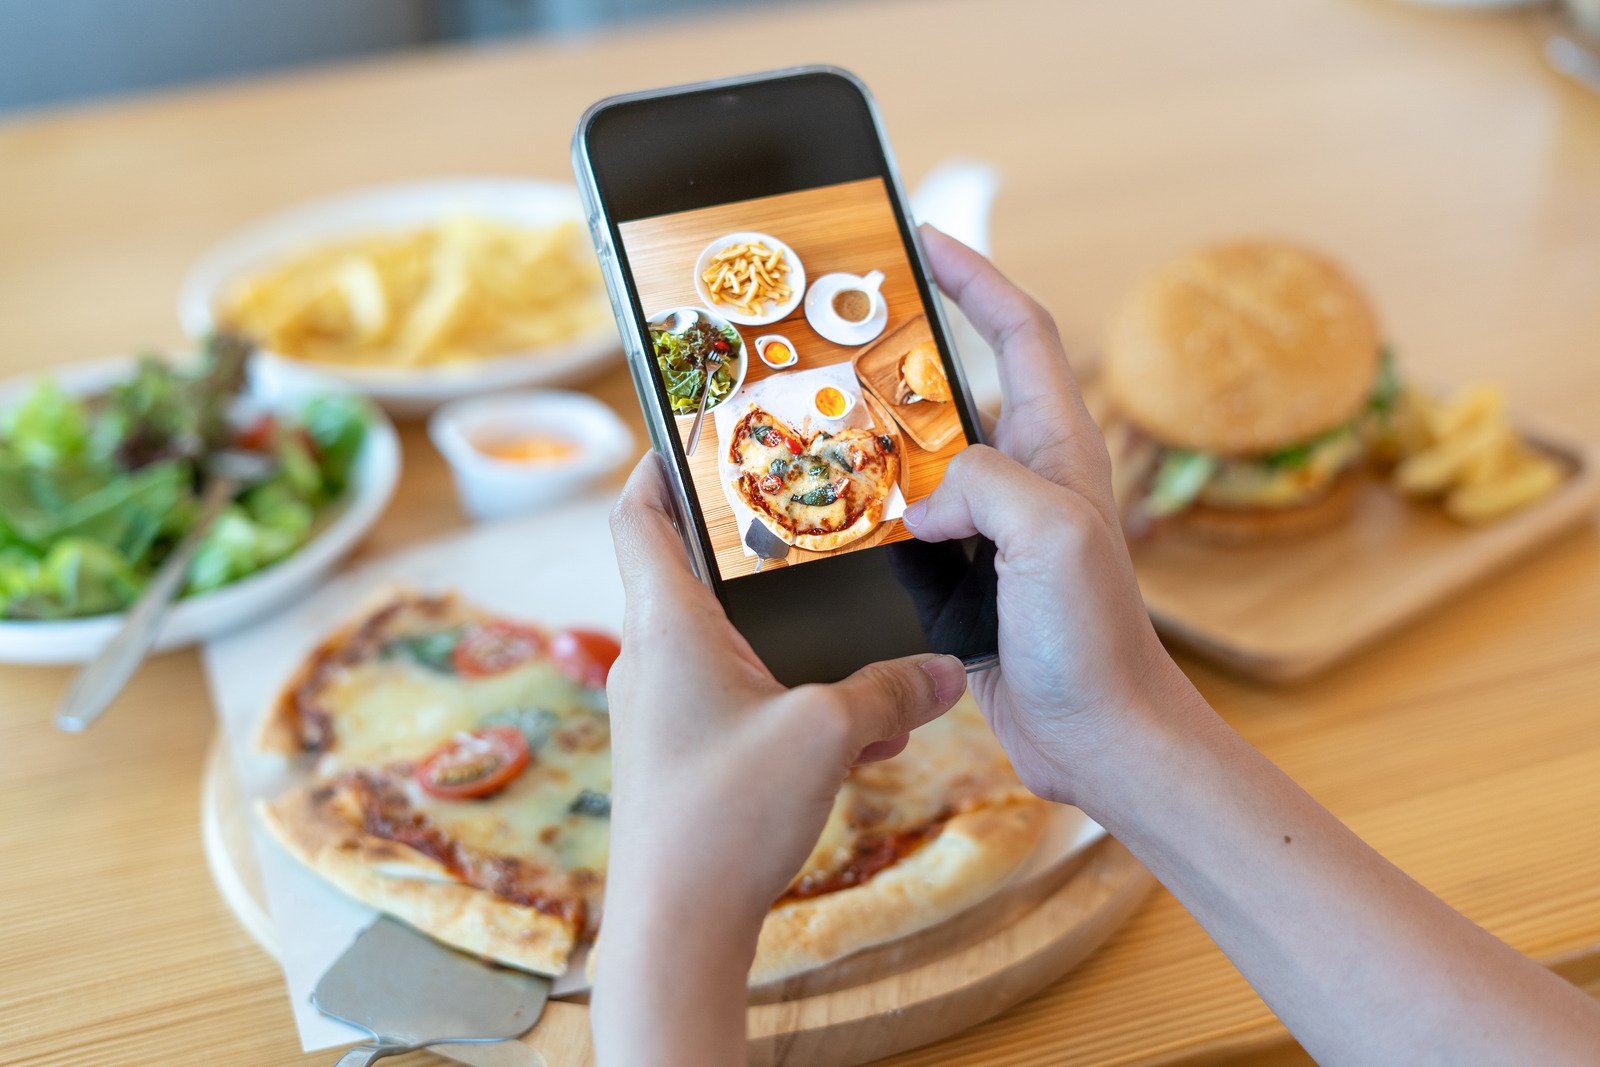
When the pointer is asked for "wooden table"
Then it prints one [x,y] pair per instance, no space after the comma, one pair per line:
[1434,153]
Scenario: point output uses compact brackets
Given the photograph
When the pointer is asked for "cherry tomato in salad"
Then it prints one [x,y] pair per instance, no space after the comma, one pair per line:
[584,655]
[494,647]
[259,435]
[476,764]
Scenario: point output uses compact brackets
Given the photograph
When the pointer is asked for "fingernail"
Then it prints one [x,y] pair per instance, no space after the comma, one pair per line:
[913,514]
[949,678]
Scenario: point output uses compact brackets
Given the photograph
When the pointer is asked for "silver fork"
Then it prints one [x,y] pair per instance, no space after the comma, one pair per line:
[708,367]
[102,678]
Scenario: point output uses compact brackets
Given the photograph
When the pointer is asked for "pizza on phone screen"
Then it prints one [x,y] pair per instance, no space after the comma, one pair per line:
[817,491]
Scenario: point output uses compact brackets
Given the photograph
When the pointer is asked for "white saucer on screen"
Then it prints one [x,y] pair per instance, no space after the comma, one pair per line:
[820,314]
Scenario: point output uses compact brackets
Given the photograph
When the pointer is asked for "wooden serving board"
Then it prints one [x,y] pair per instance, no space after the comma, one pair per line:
[871,1005]
[931,425]
[1283,611]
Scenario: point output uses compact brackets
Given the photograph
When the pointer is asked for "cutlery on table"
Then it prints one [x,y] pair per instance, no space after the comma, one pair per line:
[767,545]
[408,991]
[102,678]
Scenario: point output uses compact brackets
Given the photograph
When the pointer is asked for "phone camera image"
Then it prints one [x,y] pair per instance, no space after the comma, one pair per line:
[817,453]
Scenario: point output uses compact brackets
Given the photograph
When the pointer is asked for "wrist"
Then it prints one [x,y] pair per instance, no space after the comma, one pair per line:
[1138,741]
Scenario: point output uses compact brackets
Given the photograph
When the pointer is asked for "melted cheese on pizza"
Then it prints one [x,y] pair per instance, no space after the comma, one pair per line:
[391,694]
[815,485]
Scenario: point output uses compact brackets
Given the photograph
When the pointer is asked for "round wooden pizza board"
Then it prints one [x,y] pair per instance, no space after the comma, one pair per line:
[873,1004]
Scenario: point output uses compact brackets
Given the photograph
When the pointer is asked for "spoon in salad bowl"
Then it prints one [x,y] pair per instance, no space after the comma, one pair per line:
[228,473]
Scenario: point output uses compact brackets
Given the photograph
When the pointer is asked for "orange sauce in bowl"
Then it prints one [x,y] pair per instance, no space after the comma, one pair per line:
[532,449]
[831,402]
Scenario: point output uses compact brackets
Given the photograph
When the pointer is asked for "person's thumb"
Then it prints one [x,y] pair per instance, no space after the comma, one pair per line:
[983,491]
[888,699]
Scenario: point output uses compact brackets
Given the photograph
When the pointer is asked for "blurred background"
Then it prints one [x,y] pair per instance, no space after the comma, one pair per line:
[74,50]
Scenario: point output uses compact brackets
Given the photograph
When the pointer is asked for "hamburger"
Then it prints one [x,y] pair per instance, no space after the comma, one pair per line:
[920,376]
[1243,381]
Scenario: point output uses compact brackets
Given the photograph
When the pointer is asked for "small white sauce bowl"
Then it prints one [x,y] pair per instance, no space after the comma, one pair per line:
[491,488]
[776,338]
[849,405]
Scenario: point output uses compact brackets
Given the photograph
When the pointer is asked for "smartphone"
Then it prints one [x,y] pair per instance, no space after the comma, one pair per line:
[792,361]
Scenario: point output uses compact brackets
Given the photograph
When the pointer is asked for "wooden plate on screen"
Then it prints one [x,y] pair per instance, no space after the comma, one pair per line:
[1285,610]
[930,425]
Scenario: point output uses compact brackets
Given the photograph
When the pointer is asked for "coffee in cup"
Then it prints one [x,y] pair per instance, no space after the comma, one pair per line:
[852,305]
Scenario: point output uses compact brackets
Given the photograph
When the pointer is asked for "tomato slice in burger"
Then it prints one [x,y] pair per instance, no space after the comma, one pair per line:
[473,765]
[494,647]
[585,656]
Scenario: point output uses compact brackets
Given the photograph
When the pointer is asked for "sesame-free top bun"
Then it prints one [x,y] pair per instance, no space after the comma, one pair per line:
[1242,348]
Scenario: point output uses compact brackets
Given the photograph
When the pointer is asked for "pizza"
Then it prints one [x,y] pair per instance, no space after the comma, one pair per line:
[453,770]
[819,491]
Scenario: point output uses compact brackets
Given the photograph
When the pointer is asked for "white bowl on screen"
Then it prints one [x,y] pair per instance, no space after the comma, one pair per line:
[796,278]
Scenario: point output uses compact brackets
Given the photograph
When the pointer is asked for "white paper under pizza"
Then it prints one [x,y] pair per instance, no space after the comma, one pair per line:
[789,396]
[556,569]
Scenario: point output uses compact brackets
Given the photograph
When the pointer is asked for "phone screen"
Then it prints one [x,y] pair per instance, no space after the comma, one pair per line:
[780,306]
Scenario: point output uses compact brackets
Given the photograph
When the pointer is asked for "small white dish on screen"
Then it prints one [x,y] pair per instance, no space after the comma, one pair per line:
[767,340]
[495,488]
[676,319]
[848,402]
[796,279]
[342,524]
[830,324]
[401,390]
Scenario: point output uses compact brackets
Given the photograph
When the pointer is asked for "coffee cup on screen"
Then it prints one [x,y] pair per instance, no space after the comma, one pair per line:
[857,299]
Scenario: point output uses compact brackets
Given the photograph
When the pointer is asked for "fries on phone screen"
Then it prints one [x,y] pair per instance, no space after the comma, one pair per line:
[746,276]
[1462,450]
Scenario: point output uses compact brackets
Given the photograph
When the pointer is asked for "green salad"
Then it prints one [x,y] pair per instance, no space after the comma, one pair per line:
[681,356]
[96,490]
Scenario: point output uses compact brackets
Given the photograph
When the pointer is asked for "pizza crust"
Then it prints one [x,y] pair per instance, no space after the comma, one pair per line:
[972,856]
[824,542]
[415,888]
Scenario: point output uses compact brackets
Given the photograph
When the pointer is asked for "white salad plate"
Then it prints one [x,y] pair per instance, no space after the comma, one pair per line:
[670,317]
[401,390]
[342,525]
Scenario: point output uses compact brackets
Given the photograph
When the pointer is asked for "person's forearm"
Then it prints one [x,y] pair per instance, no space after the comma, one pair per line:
[1360,962]
[670,985]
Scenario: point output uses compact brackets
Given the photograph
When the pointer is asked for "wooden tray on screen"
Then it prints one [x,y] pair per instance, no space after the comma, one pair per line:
[1284,611]
[930,425]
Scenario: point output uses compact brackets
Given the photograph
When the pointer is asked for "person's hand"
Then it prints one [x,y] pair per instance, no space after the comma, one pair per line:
[1078,656]
[713,757]
[722,781]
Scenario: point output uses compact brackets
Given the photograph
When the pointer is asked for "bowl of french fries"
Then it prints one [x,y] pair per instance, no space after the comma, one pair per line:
[1463,451]
[413,294]
[749,278]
